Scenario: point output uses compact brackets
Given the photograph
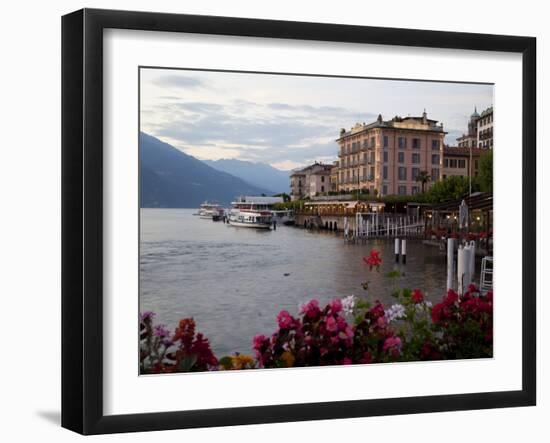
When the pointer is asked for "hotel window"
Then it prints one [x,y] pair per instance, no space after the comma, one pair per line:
[385,156]
[372,157]
[386,141]
[365,144]
[416,143]
[435,144]
[446,162]
[322,178]
[400,157]
[435,159]
[415,172]
[322,189]
[372,173]
[452,163]
[384,189]
[435,174]
[462,164]
[402,173]
[415,190]
[372,142]
[416,158]
[402,190]
[402,142]
[385,172]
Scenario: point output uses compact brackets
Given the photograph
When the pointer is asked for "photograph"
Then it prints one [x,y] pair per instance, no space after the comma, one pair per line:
[299,220]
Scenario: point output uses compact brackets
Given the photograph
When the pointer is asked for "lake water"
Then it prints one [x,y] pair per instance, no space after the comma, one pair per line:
[234,281]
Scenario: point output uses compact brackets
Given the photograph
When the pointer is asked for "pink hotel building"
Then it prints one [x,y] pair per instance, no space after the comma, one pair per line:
[387,156]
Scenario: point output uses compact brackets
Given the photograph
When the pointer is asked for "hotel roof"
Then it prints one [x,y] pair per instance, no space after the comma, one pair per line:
[409,123]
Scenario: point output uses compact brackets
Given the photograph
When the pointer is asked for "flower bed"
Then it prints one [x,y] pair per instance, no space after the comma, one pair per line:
[347,330]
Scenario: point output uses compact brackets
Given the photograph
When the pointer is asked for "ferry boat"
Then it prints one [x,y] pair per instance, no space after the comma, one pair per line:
[253,212]
[209,210]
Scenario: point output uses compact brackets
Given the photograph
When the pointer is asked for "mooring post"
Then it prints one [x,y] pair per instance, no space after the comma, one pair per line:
[404,251]
[472,260]
[396,250]
[450,262]
[460,272]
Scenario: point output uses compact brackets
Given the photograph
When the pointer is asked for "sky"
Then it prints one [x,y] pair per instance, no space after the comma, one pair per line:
[288,121]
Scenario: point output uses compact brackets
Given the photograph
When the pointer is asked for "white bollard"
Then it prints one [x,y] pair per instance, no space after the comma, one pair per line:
[450,262]
[387,227]
[404,251]
[396,250]
[460,273]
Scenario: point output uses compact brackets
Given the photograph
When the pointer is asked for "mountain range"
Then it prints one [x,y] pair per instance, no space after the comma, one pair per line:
[169,178]
[257,174]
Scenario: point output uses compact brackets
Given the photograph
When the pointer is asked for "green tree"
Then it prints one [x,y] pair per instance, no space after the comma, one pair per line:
[485,176]
[423,177]
[451,188]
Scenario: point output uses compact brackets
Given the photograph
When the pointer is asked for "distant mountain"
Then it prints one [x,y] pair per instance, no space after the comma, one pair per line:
[170,178]
[257,174]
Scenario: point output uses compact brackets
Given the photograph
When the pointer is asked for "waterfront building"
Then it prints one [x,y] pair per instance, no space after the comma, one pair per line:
[485,129]
[469,140]
[480,131]
[456,161]
[334,174]
[310,181]
[386,157]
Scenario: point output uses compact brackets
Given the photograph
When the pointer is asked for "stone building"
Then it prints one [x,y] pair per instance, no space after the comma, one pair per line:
[310,181]
[456,161]
[485,129]
[385,157]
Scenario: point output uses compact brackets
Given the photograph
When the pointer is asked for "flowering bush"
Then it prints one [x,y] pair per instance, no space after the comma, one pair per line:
[184,351]
[345,331]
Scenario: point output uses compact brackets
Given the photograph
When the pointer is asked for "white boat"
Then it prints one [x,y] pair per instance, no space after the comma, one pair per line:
[283,217]
[253,212]
[210,210]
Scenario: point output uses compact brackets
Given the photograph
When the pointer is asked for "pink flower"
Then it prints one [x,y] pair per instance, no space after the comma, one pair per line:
[336,305]
[284,319]
[258,342]
[332,326]
[347,361]
[381,322]
[310,309]
[392,344]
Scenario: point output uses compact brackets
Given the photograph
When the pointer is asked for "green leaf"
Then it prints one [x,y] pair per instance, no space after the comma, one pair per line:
[187,362]
[226,362]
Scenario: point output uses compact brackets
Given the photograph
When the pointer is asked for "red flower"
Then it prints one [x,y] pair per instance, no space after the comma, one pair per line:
[417,296]
[373,259]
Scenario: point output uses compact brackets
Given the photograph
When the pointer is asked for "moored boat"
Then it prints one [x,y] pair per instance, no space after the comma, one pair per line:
[209,210]
[253,212]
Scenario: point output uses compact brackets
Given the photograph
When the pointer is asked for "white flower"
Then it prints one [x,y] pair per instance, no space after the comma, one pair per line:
[395,312]
[348,303]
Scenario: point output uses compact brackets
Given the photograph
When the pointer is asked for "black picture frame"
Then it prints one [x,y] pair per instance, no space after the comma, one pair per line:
[82,219]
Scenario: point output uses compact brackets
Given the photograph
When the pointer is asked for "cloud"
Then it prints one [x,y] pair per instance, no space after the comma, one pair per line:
[263,133]
[179,81]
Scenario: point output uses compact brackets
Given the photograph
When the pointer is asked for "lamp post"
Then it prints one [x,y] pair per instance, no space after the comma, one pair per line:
[470,170]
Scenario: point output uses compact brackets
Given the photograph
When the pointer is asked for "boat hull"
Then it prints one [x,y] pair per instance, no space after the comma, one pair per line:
[253,225]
